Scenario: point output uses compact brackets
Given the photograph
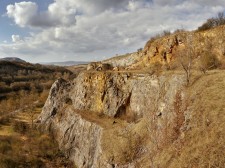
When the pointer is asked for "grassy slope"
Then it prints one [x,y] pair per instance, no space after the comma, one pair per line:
[203,144]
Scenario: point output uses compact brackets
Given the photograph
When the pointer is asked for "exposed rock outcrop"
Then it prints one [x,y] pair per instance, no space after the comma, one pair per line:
[125,97]
[163,50]
[124,60]
[103,117]
[98,66]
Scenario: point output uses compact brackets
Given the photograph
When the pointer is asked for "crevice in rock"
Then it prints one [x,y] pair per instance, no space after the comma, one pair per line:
[103,96]
[121,111]
[68,101]
[124,112]
[54,112]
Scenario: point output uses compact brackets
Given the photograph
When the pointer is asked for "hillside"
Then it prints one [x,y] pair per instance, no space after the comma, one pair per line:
[162,106]
[13,59]
[24,89]
[164,50]
[16,76]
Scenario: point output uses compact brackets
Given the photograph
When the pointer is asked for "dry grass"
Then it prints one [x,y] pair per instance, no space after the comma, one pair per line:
[203,143]
[121,142]
[24,146]
[125,144]
[6,130]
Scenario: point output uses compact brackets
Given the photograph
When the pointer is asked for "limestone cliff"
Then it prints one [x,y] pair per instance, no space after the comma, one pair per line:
[124,118]
[83,112]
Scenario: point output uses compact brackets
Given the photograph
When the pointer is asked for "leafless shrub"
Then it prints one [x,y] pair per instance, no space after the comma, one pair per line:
[185,56]
[166,33]
[207,58]
[139,50]
[213,22]
[179,30]
[159,35]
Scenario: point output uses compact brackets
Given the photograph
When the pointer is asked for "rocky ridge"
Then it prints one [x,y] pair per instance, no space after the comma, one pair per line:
[163,50]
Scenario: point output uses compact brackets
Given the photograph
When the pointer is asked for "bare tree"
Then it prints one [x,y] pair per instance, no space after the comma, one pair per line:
[185,55]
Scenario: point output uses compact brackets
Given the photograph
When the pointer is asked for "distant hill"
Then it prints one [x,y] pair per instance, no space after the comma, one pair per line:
[16,76]
[12,59]
[66,63]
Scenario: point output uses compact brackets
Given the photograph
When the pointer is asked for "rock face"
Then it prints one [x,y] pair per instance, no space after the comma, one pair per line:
[73,109]
[79,139]
[108,117]
[163,50]
[113,94]
[124,60]
[98,66]
[71,131]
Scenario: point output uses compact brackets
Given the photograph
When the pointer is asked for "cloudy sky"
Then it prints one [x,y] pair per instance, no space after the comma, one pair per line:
[89,30]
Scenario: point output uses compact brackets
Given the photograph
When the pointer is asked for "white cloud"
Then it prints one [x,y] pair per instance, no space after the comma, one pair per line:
[22,12]
[94,7]
[26,14]
[16,38]
[87,28]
